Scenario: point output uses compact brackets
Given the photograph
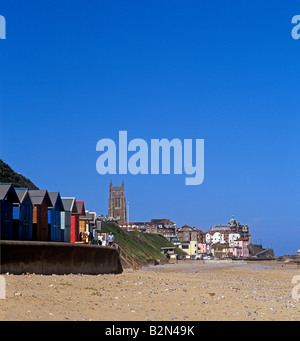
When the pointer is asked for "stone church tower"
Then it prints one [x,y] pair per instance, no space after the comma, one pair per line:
[117,203]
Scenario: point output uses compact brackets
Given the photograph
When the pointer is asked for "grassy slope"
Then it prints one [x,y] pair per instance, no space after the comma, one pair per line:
[139,245]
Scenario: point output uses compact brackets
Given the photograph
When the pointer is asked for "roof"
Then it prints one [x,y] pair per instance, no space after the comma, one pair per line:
[218,228]
[88,216]
[38,196]
[8,192]
[70,205]
[56,201]
[220,246]
[21,193]
[80,207]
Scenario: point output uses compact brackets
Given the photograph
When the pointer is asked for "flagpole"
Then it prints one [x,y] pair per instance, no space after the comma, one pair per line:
[128,212]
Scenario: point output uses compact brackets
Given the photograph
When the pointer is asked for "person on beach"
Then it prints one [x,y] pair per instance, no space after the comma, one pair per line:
[111,239]
[100,239]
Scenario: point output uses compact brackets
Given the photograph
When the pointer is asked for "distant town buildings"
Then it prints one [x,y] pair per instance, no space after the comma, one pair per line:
[231,240]
[164,227]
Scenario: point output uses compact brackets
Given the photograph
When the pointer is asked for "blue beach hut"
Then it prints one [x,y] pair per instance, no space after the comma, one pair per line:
[23,215]
[8,197]
[54,216]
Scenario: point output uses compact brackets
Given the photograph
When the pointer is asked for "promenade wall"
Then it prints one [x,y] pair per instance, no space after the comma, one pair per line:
[59,258]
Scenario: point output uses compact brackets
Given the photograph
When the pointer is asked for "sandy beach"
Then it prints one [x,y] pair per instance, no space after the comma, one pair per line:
[180,292]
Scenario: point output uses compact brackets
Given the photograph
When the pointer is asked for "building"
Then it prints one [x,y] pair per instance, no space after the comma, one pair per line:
[165,221]
[87,223]
[232,227]
[54,217]
[218,237]
[164,227]
[202,248]
[41,202]
[70,208]
[131,226]
[81,217]
[232,237]
[23,215]
[240,247]
[201,236]
[188,239]
[220,250]
[74,233]
[8,197]
[117,203]
[187,234]
[191,247]
[91,224]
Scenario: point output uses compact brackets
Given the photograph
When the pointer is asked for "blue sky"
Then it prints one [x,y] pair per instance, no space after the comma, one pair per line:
[74,72]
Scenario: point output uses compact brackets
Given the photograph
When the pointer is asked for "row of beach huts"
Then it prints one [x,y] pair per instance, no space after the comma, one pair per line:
[40,215]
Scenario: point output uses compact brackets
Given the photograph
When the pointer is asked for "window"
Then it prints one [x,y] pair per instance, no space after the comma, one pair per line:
[118,202]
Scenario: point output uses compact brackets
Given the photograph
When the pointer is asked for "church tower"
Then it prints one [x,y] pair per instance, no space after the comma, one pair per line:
[117,203]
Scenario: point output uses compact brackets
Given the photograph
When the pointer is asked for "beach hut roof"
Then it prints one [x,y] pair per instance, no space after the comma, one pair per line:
[70,204]
[21,193]
[37,197]
[8,192]
[80,208]
[56,199]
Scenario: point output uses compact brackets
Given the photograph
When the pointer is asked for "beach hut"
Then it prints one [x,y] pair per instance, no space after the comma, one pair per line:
[54,216]
[67,222]
[8,197]
[88,222]
[81,212]
[23,215]
[41,202]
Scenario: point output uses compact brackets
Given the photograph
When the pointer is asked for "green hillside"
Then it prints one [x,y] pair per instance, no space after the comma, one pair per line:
[7,175]
[139,245]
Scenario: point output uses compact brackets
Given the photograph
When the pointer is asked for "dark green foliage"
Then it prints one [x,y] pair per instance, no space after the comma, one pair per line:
[7,175]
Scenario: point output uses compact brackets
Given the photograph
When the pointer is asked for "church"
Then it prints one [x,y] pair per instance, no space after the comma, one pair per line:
[117,203]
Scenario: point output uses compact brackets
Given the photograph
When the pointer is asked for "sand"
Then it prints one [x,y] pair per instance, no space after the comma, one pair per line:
[181,292]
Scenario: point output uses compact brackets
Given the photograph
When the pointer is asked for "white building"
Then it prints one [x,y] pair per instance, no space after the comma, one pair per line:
[208,238]
[215,238]
[232,237]
[218,238]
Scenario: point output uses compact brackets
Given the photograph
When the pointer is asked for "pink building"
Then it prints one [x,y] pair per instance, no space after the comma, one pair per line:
[240,248]
[202,248]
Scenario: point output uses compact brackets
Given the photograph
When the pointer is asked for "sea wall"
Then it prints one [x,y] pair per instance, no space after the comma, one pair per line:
[48,258]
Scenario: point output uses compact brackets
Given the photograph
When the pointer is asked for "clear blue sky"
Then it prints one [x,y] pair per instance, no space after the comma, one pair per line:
[74,72]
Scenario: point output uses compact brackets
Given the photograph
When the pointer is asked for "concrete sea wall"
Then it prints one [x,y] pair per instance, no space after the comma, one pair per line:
[48,258]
